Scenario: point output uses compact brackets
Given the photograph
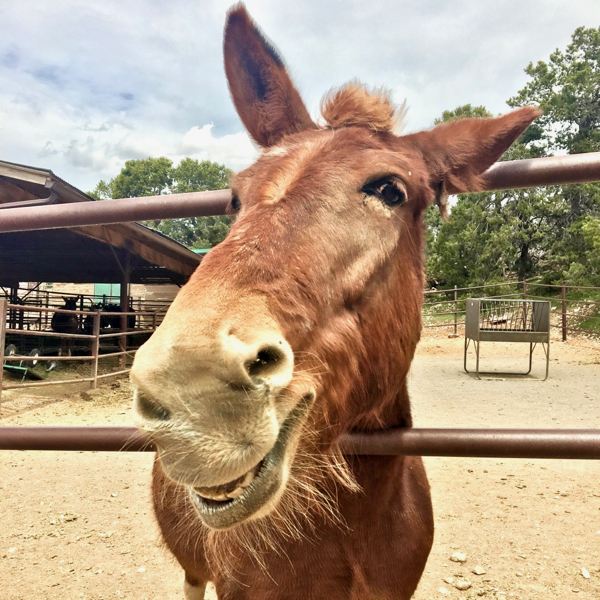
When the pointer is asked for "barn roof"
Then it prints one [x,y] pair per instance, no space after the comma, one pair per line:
[93,254]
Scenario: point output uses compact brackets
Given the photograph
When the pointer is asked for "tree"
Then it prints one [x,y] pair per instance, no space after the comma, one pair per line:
[550,232]
[567,88]
[488,236]
[464,112]
[149,177]
[193,176]
[156,176]
[102,191]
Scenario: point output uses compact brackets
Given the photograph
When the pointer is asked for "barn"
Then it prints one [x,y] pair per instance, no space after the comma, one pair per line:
[124,253]
[119,267]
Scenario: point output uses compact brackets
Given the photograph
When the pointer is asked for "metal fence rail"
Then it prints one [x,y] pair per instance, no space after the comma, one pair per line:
[484,443]
[566,320]
[94,356]
[535,172]
[517,443]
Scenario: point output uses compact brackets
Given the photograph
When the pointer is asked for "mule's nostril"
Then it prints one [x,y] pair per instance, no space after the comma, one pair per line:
[266,360]
[150,409]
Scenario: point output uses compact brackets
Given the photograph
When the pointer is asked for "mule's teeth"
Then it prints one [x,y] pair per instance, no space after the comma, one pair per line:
[236,493]
[247,479]
[212,495]
[221,493]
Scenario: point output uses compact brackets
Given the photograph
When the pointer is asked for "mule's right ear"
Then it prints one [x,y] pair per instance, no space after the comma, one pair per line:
[263,93]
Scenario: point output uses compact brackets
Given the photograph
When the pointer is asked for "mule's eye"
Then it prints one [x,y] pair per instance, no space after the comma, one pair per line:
[390,190]
[235,204]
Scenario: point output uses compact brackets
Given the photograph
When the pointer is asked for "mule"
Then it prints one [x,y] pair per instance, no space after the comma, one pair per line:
[108,320]
[65,323]
[300,326]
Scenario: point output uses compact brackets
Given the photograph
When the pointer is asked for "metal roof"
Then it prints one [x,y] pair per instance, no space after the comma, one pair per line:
[90,254]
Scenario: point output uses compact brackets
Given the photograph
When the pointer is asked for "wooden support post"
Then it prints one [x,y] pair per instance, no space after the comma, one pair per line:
[564,312]
[80,317]
[47,305]
[524,289]
[95,350]
[455,310]
[19,313]
[125,279]
[3,304]
[12,319]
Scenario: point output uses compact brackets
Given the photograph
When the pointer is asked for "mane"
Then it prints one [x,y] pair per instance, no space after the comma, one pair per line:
[354,104]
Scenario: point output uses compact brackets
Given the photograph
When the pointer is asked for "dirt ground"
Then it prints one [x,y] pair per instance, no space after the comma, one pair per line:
[79,525]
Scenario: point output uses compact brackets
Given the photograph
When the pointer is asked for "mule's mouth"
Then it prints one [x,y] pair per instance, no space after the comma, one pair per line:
[231,503]
[228,491]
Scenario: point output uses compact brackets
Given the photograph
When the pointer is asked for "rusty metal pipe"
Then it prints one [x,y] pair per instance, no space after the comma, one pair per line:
[76,439]
[540,172]
[77,214]
[483,443]
[553,170]
[487,443]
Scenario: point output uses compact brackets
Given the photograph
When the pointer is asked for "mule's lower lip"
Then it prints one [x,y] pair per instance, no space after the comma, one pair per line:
[264,486]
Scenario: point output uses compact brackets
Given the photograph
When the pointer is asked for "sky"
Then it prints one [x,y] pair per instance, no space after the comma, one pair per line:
[86,85]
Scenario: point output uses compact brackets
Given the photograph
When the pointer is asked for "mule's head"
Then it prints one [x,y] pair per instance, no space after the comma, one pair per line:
[303,322]
[70,303]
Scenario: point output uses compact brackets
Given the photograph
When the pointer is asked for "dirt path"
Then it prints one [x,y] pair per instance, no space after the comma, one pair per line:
[79,525]
[532,526]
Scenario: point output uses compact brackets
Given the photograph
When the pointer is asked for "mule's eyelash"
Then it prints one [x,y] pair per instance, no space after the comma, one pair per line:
[235,205]
[389,189]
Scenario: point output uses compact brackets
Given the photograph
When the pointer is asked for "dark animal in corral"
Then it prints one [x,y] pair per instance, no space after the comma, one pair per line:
[64,323]
[108,321]
[301,326]
[88,322]
[114,321]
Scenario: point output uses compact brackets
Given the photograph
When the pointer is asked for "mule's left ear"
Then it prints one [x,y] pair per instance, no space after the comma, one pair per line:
[263,93]
[458,152]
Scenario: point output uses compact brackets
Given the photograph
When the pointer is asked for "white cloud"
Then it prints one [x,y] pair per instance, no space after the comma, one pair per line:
[235,149]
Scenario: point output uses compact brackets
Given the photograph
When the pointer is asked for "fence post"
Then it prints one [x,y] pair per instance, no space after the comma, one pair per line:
[564,312]
[524,289]
[455,310]
[12,313]
[3,304]
[154,321]
[95,350]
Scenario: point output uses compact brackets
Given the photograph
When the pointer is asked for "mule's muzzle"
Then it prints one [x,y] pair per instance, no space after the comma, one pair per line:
[255,493]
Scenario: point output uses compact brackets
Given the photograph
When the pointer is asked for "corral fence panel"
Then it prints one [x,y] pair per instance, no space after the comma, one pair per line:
[497,443]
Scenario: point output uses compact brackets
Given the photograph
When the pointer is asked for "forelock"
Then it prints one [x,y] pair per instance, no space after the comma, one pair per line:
[356,105]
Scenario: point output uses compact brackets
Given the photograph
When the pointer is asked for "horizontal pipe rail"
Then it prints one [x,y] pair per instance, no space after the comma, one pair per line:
[534,172]
[46,309]
[122,333]
[11,358]
[77,214]
[472,287]
[541,172]
[74,336]
[18,386]
[113,374]
[482,443]
[111,354]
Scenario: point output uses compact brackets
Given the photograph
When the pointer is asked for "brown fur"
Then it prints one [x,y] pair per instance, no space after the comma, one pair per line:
[340,274]
[354,105]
